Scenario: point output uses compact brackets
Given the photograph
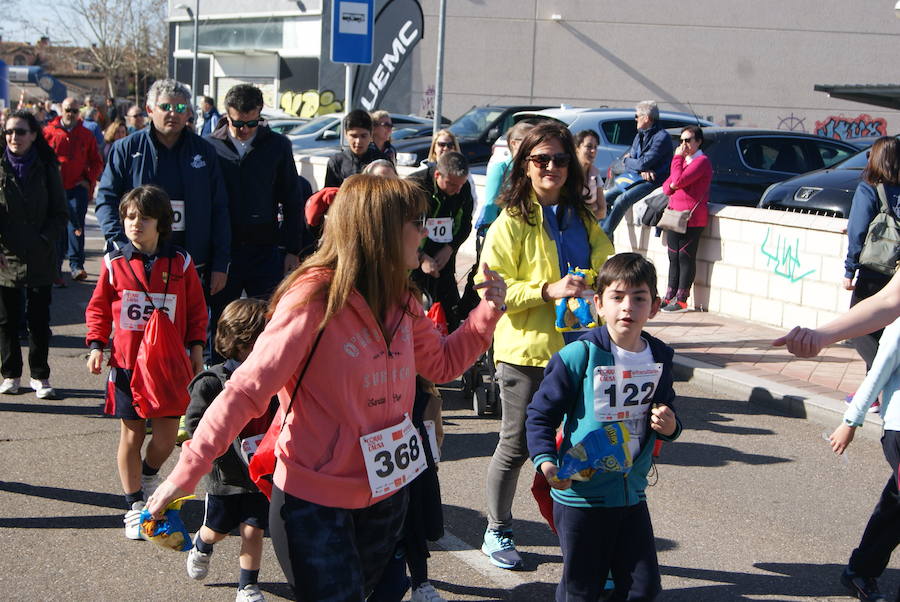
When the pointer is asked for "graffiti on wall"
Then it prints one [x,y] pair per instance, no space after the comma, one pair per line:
[843,128]
[310,103]
[783,256]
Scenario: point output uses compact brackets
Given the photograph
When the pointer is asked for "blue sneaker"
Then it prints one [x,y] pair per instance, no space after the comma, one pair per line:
[501,549]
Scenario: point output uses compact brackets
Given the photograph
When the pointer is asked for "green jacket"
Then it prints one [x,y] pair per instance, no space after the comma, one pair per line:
[525,256]
[33,218]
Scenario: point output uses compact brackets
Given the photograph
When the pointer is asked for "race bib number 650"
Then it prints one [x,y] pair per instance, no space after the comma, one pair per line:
[393,457]
[624,393]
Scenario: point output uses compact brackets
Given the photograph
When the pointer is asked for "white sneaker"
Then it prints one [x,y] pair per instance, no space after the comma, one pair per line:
[426,593]
[197,562]
[42,388]
[10,386]
[149,483]
[133,521]
[250,593]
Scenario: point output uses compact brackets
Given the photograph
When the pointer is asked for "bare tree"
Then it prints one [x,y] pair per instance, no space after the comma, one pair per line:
[125,36]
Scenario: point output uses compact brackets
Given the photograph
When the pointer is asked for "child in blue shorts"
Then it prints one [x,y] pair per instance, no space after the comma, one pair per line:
[613,374]
[232,500]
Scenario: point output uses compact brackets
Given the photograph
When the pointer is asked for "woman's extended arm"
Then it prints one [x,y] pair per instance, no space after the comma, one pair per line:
[867,316]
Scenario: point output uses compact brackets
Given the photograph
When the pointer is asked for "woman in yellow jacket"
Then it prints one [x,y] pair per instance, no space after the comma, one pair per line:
[544,229]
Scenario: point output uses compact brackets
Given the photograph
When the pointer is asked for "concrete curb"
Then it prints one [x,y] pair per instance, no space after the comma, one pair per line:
[793,401]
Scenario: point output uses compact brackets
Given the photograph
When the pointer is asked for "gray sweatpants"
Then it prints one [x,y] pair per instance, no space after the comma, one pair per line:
[518,385]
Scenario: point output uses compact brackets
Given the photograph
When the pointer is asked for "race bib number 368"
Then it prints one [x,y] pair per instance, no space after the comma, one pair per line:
[624,393]
[393,457]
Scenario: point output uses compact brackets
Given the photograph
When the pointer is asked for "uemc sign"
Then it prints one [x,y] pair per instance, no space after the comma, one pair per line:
[398,28]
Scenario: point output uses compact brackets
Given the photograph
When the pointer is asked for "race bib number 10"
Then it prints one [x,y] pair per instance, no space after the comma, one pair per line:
[136,309]
[178,220]
[440,229]
[624,393]
[393,457]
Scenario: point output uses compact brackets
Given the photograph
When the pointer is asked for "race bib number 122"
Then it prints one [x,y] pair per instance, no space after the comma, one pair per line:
[624,393]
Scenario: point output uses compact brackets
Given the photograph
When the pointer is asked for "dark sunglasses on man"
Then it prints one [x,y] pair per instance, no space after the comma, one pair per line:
[543,161]
[238,124]
[70,110]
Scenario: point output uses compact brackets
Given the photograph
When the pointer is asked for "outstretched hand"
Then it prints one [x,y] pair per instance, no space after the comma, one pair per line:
[493,289]
[802,342]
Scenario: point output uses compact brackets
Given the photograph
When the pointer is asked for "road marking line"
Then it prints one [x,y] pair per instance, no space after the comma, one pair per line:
[479,562]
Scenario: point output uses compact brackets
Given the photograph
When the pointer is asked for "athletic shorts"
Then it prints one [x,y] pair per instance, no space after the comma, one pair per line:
[225,512]
[119,401]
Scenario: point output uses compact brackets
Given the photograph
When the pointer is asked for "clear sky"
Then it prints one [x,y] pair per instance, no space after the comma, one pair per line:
[37,19]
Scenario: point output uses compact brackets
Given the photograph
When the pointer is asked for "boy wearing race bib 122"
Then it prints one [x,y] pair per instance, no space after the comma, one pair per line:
[613,374]
[149,272]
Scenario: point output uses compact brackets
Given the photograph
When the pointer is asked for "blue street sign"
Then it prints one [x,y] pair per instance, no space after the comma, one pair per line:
[352,31]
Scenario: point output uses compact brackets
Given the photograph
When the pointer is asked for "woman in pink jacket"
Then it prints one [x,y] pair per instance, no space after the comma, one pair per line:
[688,190]
[348,327]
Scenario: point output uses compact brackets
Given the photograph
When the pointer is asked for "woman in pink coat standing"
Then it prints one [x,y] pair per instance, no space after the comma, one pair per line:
[688,190]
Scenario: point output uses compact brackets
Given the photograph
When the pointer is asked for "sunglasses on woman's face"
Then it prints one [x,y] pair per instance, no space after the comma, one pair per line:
[445,144]
[543,161]
[236,123]
[16,131]
[687,140]
[178,108]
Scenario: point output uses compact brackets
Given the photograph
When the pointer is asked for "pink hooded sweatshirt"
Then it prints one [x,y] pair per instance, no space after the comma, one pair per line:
[355,385]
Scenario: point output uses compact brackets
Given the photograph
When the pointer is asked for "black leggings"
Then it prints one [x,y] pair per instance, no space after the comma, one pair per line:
[682,261]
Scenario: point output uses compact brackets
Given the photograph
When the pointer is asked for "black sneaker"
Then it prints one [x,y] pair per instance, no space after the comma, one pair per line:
[864,588]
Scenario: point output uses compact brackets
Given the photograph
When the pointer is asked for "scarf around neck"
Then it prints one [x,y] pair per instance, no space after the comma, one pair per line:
[21,164]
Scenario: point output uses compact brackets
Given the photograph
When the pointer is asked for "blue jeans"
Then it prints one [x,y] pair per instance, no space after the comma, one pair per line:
[334,554]
[622,203]
[72,247]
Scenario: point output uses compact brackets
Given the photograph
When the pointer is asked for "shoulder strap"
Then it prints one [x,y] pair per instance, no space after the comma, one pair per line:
[882,196]
[141,284]
[300,378]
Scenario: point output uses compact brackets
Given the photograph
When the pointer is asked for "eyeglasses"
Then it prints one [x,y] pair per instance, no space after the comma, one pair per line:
[684,140]
[543,161]
[71,110]
[236,123]
[420,221]
[385,124]
[168,106]
[445,144]
[16,131]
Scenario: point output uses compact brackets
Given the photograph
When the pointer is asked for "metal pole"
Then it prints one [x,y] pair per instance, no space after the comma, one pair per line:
[194,74]
[439,71]
[348,88]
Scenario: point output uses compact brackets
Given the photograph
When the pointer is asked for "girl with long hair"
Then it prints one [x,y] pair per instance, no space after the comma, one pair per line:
[348,335]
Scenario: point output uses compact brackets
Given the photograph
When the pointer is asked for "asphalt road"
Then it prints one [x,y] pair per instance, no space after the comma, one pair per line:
[749,505]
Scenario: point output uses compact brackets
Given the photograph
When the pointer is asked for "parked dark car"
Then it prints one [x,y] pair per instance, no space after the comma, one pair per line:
[746,161]
[824,191]
[476,131]
[325,130]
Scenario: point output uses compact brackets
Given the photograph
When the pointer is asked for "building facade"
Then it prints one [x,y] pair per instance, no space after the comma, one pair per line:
[736,63]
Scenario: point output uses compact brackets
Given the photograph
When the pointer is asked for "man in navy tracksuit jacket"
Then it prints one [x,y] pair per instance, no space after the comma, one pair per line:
[611,507]
[171,156]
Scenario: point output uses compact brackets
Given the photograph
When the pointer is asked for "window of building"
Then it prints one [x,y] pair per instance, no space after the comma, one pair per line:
[225,35]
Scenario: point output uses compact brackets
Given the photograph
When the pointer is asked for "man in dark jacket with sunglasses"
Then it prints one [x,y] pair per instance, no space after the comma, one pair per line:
[262,183]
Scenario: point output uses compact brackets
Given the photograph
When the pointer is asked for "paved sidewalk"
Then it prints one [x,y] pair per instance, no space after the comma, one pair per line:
[737,355]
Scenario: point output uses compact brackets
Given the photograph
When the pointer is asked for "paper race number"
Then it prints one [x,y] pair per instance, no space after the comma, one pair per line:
[136,309]
[178,221]
[393,457]
[440,229]
[432,440]
[249,446]
[624,393]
